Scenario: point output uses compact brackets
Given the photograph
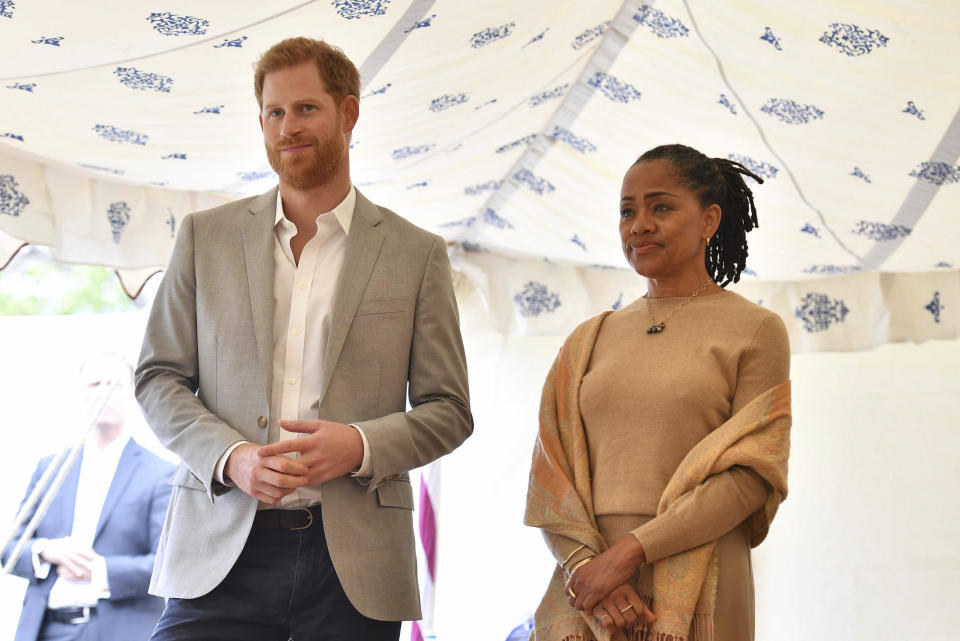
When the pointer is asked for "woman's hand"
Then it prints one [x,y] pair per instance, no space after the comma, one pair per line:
[622,608]
[593,581]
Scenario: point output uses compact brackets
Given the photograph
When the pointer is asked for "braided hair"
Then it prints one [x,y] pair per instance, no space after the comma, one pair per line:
[716,181]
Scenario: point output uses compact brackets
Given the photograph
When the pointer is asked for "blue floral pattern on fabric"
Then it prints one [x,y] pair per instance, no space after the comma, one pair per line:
[818,312]
[534,183]
[143,80]
[380,91]
[613,88]
[113,134]
[406,152]
[491,34]
[479,188]
[119,216]
[172,24]
[578,242]
[831,269]
[23,86]
[6,8]
[422,183]
[914,111]
[12,200]
[659,23]
[250,176]
[109,170]
[937,172]
[174,157]
[526,140]
[48,40]
[228,42]
[944,264]
[880,231]
[446,101]
[489,102]
[760,168]
[810,229]
[858,173]
[13,136]
[521,632]
[589,35]
[488,217]
[791,112]
[548,94]
[617,304]
[421,24]
[535,299]
[171,223]
[852,40]
[769,36]
[935,307]
[355,9]
[726,103]
[582,145]
[536,38]
[210,110]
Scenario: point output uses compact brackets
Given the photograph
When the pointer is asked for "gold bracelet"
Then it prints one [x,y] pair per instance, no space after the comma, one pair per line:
[570,556]
[578,564]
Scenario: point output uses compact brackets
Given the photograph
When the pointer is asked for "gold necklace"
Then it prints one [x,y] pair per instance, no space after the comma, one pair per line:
[655,327]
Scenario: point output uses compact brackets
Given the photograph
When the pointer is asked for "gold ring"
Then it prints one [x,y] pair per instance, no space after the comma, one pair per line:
[629,606]
[571,593]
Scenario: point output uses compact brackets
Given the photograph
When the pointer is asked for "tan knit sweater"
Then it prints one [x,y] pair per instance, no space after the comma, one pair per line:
[647,399]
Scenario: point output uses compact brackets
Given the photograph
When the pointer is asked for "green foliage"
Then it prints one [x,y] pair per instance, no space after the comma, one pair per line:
[35,284]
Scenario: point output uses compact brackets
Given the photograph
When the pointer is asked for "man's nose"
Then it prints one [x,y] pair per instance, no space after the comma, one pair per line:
[291,125]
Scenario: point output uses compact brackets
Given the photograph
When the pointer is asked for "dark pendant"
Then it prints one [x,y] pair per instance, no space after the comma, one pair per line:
[655,329]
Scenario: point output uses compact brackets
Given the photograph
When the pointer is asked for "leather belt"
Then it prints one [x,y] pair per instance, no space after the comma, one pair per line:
[71,615]
[299,518]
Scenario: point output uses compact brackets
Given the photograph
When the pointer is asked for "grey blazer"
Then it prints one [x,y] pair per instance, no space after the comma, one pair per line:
[205,375]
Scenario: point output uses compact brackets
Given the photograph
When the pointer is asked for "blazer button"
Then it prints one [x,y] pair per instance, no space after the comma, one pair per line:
[262,421]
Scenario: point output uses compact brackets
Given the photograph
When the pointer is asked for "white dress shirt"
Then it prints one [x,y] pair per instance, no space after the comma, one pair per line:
[97,467]
[302,311]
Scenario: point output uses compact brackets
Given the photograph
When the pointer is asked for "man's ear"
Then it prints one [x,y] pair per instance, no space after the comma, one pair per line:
[350,108]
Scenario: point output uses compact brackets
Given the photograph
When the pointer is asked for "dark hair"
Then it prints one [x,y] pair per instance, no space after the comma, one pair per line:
[716,181]
[339,74]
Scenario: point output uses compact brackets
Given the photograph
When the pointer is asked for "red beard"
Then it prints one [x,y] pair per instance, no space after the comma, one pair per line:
[308,168]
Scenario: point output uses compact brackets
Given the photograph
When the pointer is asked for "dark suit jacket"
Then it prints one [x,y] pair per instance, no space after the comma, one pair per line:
[126,537]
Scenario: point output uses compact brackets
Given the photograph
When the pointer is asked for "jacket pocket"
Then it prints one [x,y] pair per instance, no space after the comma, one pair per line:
[382,306]
[398,493]
[183,477]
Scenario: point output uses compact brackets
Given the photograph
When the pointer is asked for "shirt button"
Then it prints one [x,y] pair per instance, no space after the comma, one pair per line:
[295,332]
[292,380]
[302,285]
[262,421]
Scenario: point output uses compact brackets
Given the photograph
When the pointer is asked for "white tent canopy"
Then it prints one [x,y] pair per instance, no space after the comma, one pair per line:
[506,127]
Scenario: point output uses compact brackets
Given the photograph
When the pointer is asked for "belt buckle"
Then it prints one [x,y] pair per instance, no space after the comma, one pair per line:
[309,523]
[83,618]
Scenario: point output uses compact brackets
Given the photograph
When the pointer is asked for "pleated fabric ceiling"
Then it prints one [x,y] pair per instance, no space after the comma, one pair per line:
[507,127]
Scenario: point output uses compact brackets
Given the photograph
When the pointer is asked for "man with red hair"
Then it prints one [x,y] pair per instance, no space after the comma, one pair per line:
[283,342]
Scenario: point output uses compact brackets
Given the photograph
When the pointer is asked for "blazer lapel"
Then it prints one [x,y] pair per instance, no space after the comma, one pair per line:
[66,500]
[258,239]
[363,248]
[126,466]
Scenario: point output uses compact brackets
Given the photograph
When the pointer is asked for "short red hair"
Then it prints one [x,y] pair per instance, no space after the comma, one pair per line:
[338,73]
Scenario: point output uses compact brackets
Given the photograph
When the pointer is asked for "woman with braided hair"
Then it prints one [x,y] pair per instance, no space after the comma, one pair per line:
[664,426]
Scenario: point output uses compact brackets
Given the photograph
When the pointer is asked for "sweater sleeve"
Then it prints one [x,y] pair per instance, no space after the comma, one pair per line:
[723,500]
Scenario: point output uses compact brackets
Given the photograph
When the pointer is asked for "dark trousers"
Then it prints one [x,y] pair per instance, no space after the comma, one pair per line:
[283,586]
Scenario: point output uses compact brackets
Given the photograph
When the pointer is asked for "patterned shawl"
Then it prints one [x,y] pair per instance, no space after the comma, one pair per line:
[559,500]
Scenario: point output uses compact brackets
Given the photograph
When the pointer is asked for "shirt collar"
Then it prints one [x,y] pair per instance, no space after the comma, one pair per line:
[342,212]
[112,450]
